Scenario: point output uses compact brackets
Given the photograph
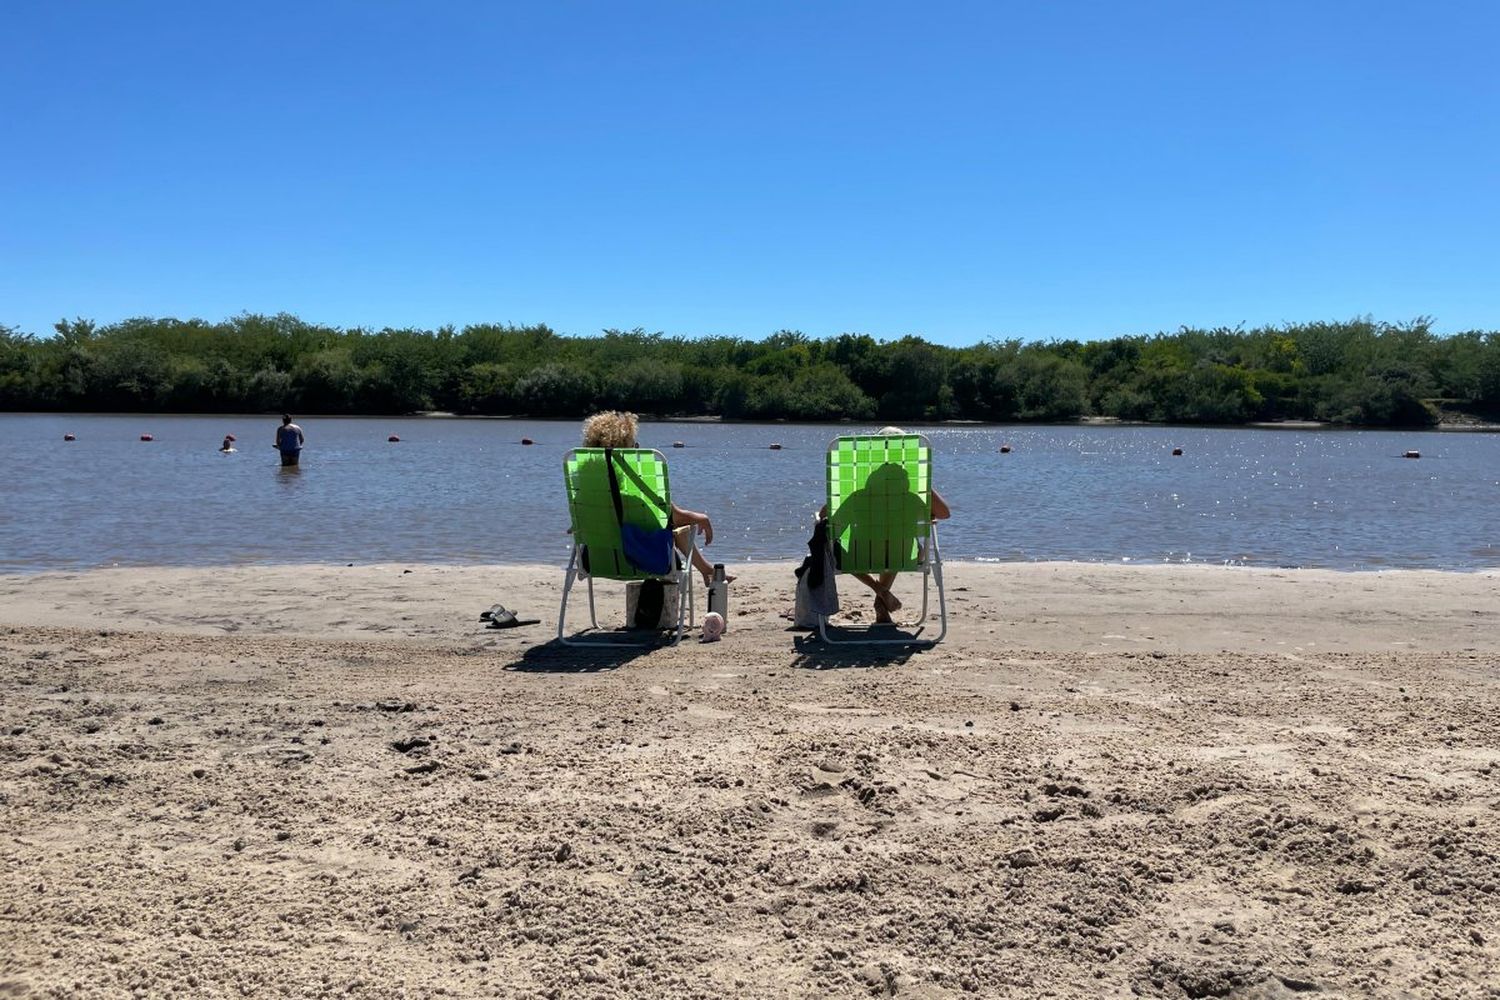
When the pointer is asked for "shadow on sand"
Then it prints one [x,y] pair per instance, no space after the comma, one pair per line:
[815,654]
[553,657]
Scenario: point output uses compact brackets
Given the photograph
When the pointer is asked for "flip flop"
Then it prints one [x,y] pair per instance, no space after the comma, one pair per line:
[502,618]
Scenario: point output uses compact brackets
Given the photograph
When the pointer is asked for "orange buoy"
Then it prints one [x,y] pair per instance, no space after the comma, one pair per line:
[1412,454]
[1177,451]
[776,446]
[1005,449]
[69,437]
[393,439]
[527,441]
[147,437]
[678,444]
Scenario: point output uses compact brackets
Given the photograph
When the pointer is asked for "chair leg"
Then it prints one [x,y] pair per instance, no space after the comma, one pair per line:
[864,633]
[684,601]
[937,579]
[934,569]
[562,611]
[690,573]
[683,577]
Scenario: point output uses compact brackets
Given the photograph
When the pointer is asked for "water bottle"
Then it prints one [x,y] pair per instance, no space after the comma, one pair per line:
[718,592]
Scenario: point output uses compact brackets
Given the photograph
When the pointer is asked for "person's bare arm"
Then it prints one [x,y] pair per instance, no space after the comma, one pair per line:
[681,517]
[940,510]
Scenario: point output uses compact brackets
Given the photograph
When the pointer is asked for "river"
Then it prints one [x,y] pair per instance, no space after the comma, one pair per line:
[467,491]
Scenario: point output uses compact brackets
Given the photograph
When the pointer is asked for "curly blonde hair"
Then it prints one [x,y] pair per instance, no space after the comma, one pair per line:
[610,429]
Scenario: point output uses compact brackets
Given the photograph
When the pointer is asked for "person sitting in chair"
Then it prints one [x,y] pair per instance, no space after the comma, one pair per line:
[617,429]
[888,502]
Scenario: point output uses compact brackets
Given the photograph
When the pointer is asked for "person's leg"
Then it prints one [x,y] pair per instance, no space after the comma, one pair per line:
[890,600]
[885,601]
[683,536]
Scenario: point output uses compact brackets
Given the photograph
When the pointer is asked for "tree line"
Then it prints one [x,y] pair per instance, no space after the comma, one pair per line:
[1358,372]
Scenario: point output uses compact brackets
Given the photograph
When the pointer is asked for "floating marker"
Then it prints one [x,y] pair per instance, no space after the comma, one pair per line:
[1005,449]
[678,444]
[527,441]
[1411,454]
[393,439]
[776,446]
[147,437]
[1177,451]
[69,437]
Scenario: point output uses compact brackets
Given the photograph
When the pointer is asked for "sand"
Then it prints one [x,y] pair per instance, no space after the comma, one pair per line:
[1108,781]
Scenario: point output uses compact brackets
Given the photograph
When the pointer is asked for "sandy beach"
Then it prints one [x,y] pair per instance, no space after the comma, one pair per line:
[1167,781]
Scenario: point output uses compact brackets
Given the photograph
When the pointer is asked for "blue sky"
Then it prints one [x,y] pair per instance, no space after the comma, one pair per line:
[954,170]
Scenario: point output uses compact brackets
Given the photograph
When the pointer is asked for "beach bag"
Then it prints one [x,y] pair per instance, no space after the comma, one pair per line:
[803,615]
[647,549]
[817,593]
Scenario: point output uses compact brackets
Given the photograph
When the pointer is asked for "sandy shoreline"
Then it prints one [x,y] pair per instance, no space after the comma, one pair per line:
[1059,607]
[1162,781]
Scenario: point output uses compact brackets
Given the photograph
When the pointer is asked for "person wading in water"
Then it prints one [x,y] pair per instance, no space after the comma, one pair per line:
[289,440]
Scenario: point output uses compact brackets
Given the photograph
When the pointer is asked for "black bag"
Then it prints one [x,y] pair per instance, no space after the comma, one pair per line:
[648,606]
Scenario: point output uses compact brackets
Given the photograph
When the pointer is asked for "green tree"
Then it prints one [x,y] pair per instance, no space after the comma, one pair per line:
[646,387]
[487,387]
[327,382]
[825,393]
[915,373]
[1049,387]
[557,390]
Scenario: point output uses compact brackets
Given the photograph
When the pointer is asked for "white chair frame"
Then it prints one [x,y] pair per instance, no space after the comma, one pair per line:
[932,570]
[681,575]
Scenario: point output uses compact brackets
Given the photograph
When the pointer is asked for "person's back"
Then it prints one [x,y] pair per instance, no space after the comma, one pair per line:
[889,517]
[885,513]
[289,440]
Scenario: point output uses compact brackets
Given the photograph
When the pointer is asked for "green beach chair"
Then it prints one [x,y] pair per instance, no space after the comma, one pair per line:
[880,521]
[640,478]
